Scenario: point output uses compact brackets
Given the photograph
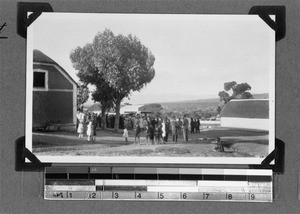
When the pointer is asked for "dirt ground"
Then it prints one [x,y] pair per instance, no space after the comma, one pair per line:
[237,143]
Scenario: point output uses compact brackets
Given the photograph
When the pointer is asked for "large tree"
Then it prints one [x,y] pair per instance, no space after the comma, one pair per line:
[116,64]
[124,62]
[88,73]
[238,91]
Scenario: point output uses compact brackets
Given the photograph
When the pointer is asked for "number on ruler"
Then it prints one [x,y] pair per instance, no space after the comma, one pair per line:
[92,195]
[58,195]
[228,196]
[70,195]
[116,176]
[139,195]
[184,195]
[161,196]
[115,195]
[252,197]
[205,195]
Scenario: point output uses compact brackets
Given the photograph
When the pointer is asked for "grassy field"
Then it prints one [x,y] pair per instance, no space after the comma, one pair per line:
[237,143]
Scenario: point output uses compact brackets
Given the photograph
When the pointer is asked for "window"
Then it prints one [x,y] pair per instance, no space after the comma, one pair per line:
[40,80]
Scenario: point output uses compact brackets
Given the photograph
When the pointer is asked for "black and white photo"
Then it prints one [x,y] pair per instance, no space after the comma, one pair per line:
[150,88]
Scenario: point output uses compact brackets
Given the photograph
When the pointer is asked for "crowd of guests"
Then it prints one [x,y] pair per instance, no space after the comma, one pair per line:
[157,129]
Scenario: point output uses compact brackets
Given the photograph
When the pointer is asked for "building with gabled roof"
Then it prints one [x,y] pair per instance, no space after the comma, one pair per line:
[246,113]
[54,94]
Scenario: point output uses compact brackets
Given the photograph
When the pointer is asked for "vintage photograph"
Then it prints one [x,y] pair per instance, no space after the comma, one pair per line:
[150,88]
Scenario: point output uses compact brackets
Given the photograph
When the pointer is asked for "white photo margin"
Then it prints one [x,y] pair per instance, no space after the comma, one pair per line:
[150,160]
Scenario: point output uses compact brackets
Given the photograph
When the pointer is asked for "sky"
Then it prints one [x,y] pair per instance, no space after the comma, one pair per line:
[194,54]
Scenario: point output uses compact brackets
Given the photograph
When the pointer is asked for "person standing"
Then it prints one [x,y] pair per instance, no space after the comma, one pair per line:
[192,126]
[163,130]
[94,126]
[167,129]
[185,128]
[80,129]
[197,124]
[89,130]
[137,131]
[125,134]
[179,130]
[174,128]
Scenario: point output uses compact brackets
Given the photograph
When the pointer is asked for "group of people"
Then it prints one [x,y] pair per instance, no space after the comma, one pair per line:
[157,129]
[91,123]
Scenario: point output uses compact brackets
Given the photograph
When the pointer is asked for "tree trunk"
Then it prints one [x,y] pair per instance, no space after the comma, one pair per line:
[103,117]
[118,106]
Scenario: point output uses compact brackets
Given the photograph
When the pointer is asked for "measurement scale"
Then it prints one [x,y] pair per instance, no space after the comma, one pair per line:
[183,184]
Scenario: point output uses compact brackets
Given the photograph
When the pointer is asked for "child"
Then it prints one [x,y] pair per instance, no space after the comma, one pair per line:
[80,129]
[219,147]
[125,134]
[89,130]
[137,133]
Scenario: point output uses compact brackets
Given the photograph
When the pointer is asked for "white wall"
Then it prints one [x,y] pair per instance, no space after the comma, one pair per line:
[248,123]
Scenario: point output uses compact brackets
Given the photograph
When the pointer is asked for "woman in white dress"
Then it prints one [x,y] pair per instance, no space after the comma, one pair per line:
[89,130]
[164,133]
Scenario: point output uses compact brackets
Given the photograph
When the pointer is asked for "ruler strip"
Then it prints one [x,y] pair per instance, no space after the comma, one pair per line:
[125,183]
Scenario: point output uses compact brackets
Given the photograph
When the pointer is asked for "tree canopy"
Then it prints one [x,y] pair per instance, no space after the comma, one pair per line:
[82,95]
[116,64]
[238,91]
[88,73]
[123,61]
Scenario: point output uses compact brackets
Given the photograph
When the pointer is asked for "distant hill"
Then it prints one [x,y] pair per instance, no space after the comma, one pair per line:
[191,103]
[202,104]
[261,96]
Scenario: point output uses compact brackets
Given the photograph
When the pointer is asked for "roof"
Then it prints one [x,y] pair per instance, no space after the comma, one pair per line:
[97,107]
[246,108]
[94,107]
[150,108]
[40,57]
[130,108]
